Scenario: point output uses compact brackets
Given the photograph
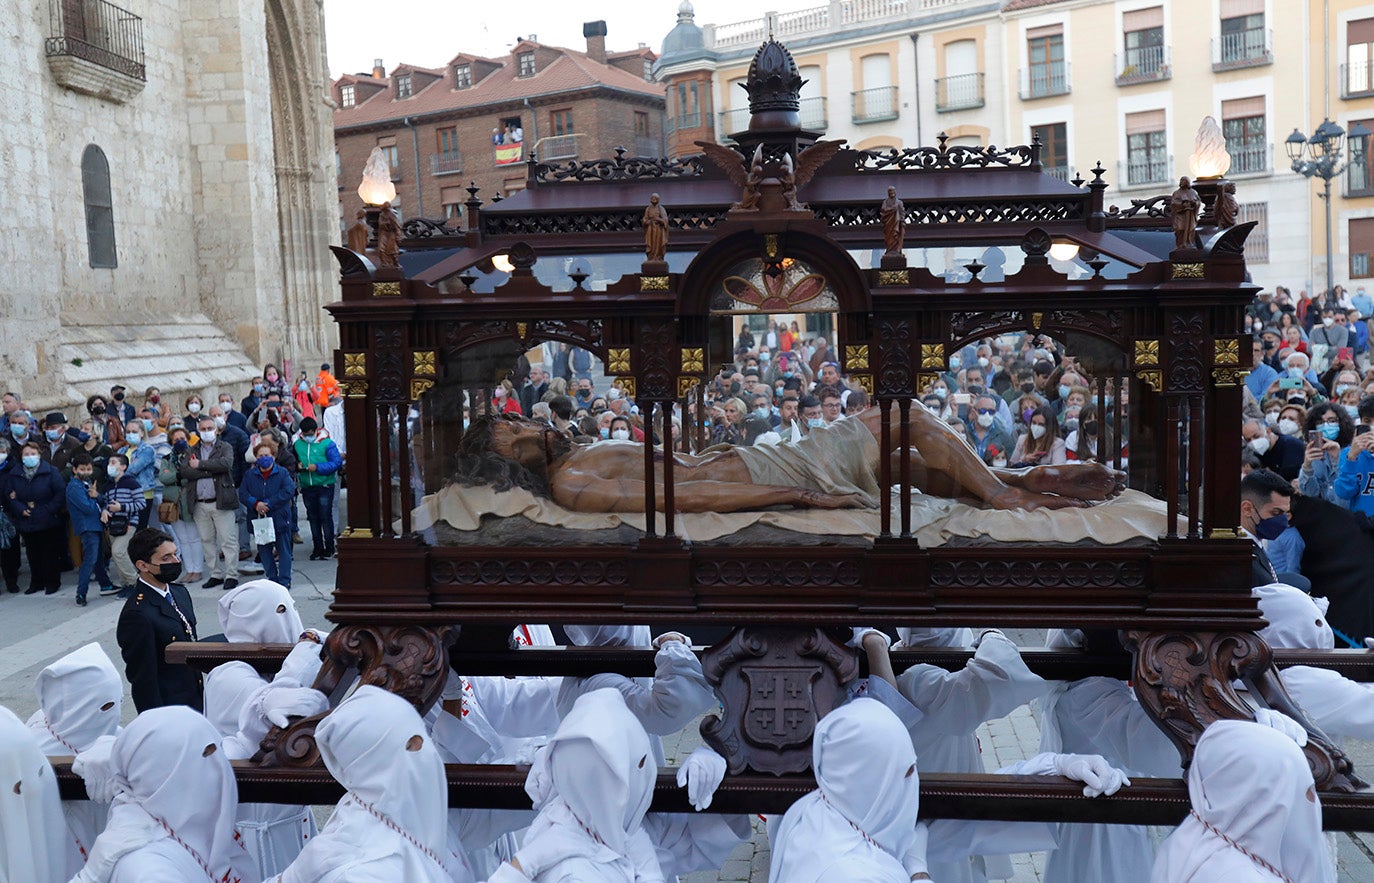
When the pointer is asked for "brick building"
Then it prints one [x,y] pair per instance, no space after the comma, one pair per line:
[476,120]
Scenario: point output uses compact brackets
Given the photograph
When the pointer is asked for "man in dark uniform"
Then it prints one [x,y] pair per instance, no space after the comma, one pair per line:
[157,613]
[1265,502]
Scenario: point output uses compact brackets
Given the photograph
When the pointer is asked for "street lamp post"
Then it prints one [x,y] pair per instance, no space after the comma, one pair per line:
[1321,157]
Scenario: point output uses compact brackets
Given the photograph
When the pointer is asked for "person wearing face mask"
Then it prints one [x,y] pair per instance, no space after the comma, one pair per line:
[990,441]
[83,506]
[268,491]
[812,416]
[158,612]
[119,408]
[59,443]
[1041,444]
[1278,452]
[273,381]
[759,420]
[320,462]
[141,463]
[1265,501]
[619,429]
[1353,487]
[256,393]
[9,536]
[194,408]
[121,503]
[206,472]
[35,497]
[504,400]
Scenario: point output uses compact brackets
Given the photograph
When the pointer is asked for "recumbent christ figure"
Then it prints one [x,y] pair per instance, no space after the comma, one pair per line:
[833,467]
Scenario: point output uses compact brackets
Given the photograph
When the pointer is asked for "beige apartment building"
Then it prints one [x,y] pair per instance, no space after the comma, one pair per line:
[1123,82]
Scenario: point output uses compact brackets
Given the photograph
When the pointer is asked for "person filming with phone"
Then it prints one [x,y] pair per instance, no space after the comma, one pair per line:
[1354,484]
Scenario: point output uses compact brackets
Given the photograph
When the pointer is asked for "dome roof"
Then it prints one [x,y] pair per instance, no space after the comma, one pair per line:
[686,37]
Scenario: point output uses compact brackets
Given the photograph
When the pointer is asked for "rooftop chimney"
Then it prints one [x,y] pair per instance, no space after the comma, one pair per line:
[595,32]
[378,70]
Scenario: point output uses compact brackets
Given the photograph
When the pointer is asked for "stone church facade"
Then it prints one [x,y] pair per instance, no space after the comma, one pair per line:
[170,195]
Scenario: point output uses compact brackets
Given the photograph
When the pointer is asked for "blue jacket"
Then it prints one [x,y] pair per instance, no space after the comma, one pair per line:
[85,510]
[142,464]
[1354,484]
[277,489]
[1260,377]
[45,490]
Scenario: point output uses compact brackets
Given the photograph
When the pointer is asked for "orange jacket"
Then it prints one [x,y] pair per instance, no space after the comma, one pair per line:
[326,388]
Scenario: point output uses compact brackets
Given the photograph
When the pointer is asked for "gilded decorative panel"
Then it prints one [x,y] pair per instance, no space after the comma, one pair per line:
[355,364]
[864,381]
[424,363]
[419,387]
[1153,379]
[354,389]
[653,283]
[1227,352]
[894,277]
[618,360]
[685,384]
[932,355]
[1188,271]
[1146,353]
[627,385]
[693,359]
[386,289]
[856,357]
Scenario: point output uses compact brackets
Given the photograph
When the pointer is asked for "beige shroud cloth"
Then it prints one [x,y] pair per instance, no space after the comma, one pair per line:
[934,520]
[838,459]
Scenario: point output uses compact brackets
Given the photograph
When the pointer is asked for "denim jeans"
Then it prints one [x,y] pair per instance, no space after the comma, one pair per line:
[277,567]
[319,511]
[93,560]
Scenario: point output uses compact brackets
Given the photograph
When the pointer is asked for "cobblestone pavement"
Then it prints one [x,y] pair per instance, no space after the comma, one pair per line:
[36,629]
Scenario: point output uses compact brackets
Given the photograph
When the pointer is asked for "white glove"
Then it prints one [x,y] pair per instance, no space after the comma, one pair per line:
[666,637]
[857,639]
[1277,720]
[1098,776]
[701,774]
[915,859]
[1369,643]
[280,704]
[538,854]
[95,769]
[983,634]
[302,664]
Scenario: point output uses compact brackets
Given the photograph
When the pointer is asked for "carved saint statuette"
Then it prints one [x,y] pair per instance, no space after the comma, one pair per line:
[1184,206]
[655,223]
[893,214]
[388,238]
[1227,206]
[358,234]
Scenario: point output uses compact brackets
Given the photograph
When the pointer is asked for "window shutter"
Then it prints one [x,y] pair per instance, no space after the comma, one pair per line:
[1146,121]
[1360,31]
[1242,107]
[1238,8]
[1362,236]
[1045,31]
[1143,19]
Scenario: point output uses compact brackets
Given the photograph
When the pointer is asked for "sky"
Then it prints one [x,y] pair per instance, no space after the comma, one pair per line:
[429,33]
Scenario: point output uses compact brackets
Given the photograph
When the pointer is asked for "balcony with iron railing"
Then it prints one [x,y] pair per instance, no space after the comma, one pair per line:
[874,105]
[1357,80]
[557,147]
[1242,49]
[687,121]
[1045,80]
[1359,179]
[1144,172]
[1062,173]
[959,92]
[85,33]
[813,117]
[1148,64]
[1250,159]
[449,162]
[820,19]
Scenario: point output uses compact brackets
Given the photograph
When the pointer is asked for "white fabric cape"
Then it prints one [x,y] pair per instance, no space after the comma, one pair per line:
[1253,784]
[393,823]
[79,700]
[175,806]
[35,846]
[861,820]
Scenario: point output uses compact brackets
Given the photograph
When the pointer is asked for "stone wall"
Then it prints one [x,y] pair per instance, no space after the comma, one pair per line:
[200,295]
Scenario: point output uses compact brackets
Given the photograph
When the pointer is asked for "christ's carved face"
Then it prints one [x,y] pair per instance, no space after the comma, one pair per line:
[521,442]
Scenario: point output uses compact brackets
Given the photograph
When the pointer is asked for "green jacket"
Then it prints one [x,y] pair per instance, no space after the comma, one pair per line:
[324,454]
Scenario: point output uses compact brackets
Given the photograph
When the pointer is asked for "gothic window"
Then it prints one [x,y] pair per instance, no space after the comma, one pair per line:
[95,190]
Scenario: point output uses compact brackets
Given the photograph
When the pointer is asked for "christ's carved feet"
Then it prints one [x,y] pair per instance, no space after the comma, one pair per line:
[1084,481]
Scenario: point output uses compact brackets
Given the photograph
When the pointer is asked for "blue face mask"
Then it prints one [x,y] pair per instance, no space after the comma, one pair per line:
[53,434]
[814,422]
[940,392]
[1064,390]
[955,363]
[133,438]
[147,425]
[605,432]
[18,431]
[1341,388]
[259,389]
[787,374]
[1270,528]
[265,462]
[1353,411]
[1329,431]
[30,461]
[1295,373]
[761,413]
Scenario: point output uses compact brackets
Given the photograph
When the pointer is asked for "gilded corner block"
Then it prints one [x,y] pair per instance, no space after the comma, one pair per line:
[856,357]
[693,359]
[1228,377]
[653,283]
[1224,533]
[354,389]
[1227,352]
[355,364]
[618,360]
[522,330]
[627,386]
[1188,271]
[1036,319]
[894,277]
[425,362]
[685,384]
[932,355]
[1153,378]
[386,289]
[1146,353]
[865,382]
[419,387]
[770,245]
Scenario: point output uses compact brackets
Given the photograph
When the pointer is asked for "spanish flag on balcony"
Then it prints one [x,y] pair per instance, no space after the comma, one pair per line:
[507,154]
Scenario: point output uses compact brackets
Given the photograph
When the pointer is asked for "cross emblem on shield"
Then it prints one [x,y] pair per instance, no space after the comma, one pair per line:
[781,711]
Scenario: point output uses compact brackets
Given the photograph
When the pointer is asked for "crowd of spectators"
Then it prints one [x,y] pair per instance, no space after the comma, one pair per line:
[201,470]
